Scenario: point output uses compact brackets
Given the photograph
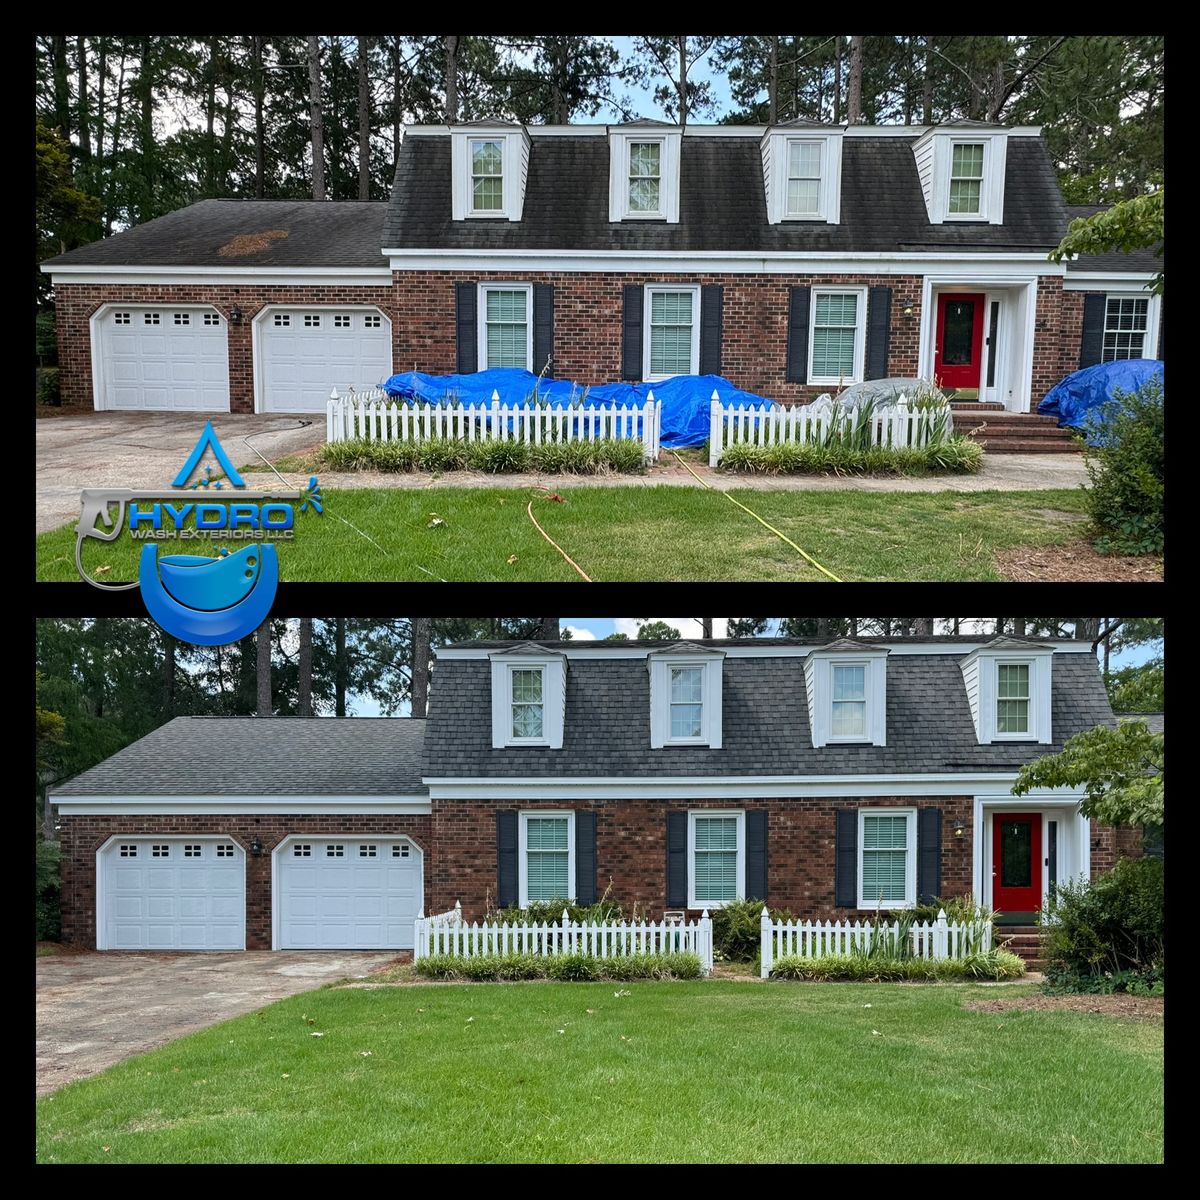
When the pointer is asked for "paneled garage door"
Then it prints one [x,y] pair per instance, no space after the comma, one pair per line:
[162,358]
[171,893]
[353,893]
[306,352]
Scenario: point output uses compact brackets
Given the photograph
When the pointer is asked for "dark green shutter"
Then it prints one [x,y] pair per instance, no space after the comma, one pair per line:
[506,857]
[631,337]
[1091,344]
[929,854]
[845,865]
[756,855]
[585,857]
[879,331]
[677,823]
[797,336]
[543,329]
[711,304]
[466,329]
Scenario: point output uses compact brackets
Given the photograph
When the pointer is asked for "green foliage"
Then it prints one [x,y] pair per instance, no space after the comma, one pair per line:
[737,929]
[48,861]
[614,455]
[1136,983]
[1113,924]
[961,910]
[1135,224]
[549,912]
[657,631]
[1142,688]
[563,968]
[996,964]
[64,215]
[956,456]
[46,338]
[1121,770]
[1125,491]
[47,386]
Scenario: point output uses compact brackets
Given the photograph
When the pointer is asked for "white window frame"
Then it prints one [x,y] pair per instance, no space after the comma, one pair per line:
[699,739]
[980,214]
[910,860]
[853,739]
[523,818]
[640,214]
[1030,734]
[775,153]
[513,740]
[860,334]
[1150,323]
[821,144]
[740,814]
[502,144]
[554,687]
[670,141]
[481,318]
[514,167]
[652,289]
[660,700]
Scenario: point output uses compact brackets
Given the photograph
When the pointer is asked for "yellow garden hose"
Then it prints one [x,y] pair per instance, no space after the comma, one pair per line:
[583,574]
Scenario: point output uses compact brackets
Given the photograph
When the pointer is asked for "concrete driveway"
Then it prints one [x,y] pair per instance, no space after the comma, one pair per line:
[146,450]
[93,1010]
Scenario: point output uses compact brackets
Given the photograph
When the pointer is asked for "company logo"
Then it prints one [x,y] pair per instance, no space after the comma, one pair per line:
[207,599]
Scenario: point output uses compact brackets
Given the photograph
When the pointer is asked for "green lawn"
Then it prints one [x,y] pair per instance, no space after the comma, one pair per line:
[637,533]
[662,1072]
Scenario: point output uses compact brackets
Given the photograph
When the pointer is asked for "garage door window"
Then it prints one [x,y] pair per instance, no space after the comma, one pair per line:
[312,320]
[129,852]
[341,321]
[400,851]
[335,851]
[191,852]
[373,321]
[160,851]
[282,320]
[212,319]
[120,318]
[225,851]
[299,851]
[367,852]
[150,319]
[183,318]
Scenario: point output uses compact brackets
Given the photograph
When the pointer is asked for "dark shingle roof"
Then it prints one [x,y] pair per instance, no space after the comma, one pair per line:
[263,756]
[722,203]
[344,233]
[1154,721]
[764,717]
[1134,260]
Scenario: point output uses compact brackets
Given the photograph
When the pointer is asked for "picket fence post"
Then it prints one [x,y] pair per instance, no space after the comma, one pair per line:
[940,949]
[714,429]
[330,431]
[765,936]
[704,942]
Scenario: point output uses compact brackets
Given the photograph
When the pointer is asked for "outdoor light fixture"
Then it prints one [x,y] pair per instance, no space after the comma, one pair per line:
[235,315]
[960,828]
[256,848]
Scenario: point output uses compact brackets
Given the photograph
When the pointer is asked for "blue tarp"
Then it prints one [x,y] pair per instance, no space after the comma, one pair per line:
[1079,394]
[685,398]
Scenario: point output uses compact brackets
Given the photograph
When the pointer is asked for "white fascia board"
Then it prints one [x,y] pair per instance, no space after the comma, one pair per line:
[1059,645]
[1106,281]
[259,276]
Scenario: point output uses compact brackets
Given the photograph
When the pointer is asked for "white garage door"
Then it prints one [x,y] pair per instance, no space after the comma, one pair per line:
[355,893]
[306,352]
[168,893]
[163,358]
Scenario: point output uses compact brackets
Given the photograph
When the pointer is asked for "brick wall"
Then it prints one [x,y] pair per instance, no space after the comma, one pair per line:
[76,302]
[83,836]
[1110,844]
[1070,333]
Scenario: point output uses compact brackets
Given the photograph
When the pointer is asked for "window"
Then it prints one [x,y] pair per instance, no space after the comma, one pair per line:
[225,850]
[312,320]
[837,341]
[301,851]
[121,318]
[716,858]
[887,858]
[685,698]
[1125,323]
[673,342]
[487,177]
[687,703]
[506,331]
[803,179]
[401,851]
[372,321]
[367,852]
[150,319]
[160,851]
[282,320]
[341,320]
[183,318]
[129,851]
[191,852]
[212,318]
[335,851]
[547,857]
[528,703]
[849,702]
[966,179]
[645,178]
[1012,698]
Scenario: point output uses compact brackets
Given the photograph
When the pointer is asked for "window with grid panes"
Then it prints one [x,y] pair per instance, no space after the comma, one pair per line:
[835,329]
[966,178]
[884,859]
[528,702]
[645,177]
[1012,697]
[547,859]
[687,701]
[715,859]
[506,318]
[849,700]
[1125,321]
[487,177]
[803,179]
[672,315]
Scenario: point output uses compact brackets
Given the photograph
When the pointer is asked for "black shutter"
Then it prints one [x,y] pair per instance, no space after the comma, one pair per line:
[467,333]
[929,854]
[631,339]
[543,328]
[879,331]
[756,855]
[711,303]
[585,857]
[677,860]
[1158,351]
[845,884]
[506,856]
[797,338]
[1091,344]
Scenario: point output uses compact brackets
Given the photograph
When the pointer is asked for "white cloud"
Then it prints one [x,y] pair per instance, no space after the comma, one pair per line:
[689,627]
[579,634]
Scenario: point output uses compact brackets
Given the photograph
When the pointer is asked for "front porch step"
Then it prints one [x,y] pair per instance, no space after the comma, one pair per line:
[1025,941]
[976,406]
[1028,446]
[1003,432]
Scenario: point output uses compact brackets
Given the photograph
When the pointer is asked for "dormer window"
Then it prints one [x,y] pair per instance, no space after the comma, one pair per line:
[528,697]
[846,687]
[489,165]
[1008,689]
[687,703]
[966,179]
[685,697]
[802,173]
[804,179]
[645,179]
[643,182]
[487,177]
[528,691]
[961,167]
[849,700]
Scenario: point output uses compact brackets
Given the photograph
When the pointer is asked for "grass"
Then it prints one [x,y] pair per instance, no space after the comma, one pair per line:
[637,533]
[47,949]
[640,1072]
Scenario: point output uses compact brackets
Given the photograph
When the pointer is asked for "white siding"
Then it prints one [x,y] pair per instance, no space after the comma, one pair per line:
[970,673]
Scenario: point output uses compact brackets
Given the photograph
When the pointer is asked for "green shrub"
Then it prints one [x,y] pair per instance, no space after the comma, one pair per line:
[46,338]
[737,929]
[958,910]
[549,912]
[47,386]
[497,458]
[448,454]
[996,964]
[1124,496]
[48,858]
[564,968]
[954,456]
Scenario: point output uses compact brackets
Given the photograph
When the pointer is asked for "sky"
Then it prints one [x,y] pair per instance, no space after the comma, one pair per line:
[643,96]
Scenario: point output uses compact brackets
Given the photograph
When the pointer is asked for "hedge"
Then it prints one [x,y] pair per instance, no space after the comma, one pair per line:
[995,964]
[602,457]
[955,456]
[564,968]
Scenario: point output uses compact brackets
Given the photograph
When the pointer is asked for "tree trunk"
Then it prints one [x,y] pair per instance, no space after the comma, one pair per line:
[773,80]
[837,81]
[262,648]
[109,176]
[825,627]
[81,106]
[854,96]
[146,133]
[397,113]
[101,78]
[560,107]
[62,89]
[168,675]
[681,86]
[1001,623]
[451,40]
[225,158]
[315,122]
[1087,629]
[853,627]
[341,668]
[364,118]
[548,630]
[304,688]
[922,627]
[421,630]
[927,84]
[1019,626]
[908,91]
[210,119]
[706,626]
[260,135]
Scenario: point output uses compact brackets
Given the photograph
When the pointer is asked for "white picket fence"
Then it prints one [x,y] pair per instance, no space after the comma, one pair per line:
[816,939]
[798,424]
[377,417]
[609,939]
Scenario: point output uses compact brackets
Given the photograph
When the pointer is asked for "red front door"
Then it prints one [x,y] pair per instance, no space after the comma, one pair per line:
[1017,862]
[959,352]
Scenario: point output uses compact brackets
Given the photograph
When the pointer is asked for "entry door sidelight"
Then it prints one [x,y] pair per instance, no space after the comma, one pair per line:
[1017,862]
[958,356]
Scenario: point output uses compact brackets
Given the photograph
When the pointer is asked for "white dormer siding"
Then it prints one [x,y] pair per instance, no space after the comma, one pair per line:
[635,154]
[529,687]
[513,145]
[1016,677]
[802,174]
[935,156]
[685,696]
[846,686]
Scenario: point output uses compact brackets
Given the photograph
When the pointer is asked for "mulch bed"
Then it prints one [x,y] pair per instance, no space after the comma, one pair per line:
[1076,562]
[1139,1008]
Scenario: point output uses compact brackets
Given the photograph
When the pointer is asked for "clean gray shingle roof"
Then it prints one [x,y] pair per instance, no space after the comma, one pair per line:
[263,756]
[344,233]
[1155,722]
[722,203]
[1134,260]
